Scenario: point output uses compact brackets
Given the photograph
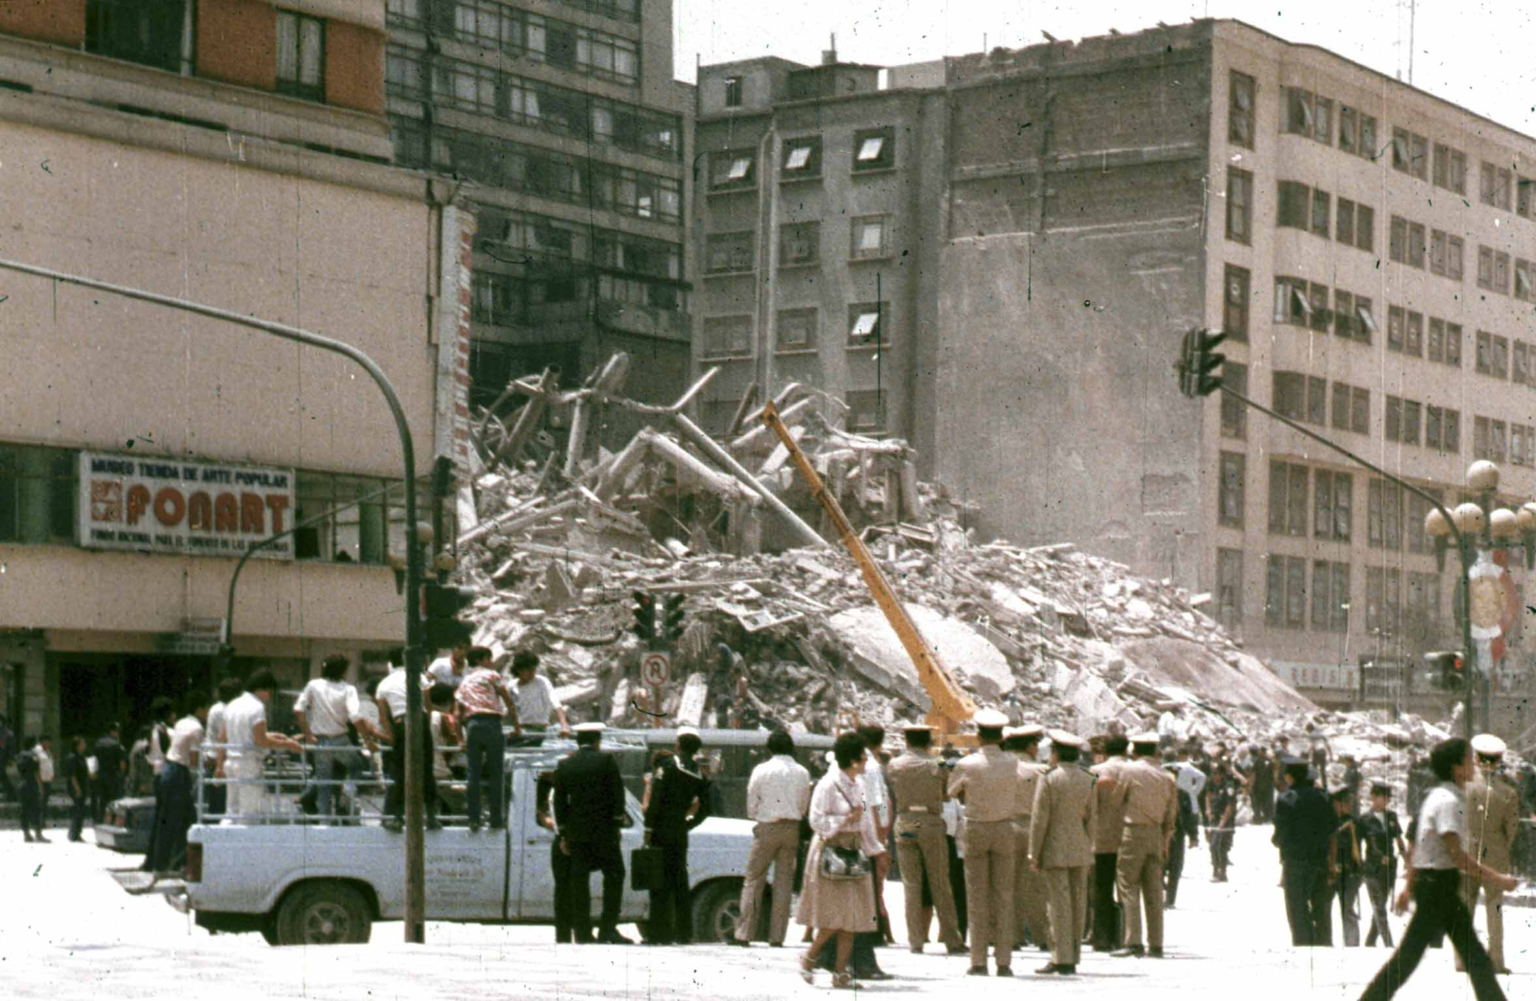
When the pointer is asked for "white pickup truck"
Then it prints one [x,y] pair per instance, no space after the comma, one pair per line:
[314,885]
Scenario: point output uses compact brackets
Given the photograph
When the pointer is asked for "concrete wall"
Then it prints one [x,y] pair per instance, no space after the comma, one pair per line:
[61,22]
[237,43]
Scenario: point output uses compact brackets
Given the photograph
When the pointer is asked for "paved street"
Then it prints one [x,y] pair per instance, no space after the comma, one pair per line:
[69,931]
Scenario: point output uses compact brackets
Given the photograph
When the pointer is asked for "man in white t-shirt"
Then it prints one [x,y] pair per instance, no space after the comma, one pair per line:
[245,731]
[175,784]
[535,695]
[1434,883]
[214,798]
[450,670]
[324,710]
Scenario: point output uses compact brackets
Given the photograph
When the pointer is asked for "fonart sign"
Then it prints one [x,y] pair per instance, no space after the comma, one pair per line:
[173,506]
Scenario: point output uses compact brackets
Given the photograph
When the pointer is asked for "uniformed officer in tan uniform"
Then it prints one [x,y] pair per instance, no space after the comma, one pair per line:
[984,782]
[1106,844]
[917,785]
[1148,804]
[1029,893]
[1061,846]
[1493,820]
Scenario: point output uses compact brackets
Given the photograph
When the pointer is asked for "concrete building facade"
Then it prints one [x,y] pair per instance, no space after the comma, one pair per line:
[563,121]
[142,449]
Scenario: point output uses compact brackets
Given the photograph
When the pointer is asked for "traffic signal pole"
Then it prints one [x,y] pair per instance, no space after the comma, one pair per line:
[415,775]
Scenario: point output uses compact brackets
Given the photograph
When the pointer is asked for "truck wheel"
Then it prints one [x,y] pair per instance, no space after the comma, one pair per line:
[716,908]
[323,912]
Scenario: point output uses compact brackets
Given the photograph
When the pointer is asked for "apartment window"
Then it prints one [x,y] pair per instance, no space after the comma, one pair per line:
[1285,597]
[1239,205]
[1229,587]
[1435,350]
[300,56]
[1317,400]
[1290,395]
[1365,325]
[1410,153]
[1440,175]
[1330,596]
[727,252]
[1395,328]
[1341,406]
[874,149]
[732,168]
[802,157]
[140,31]
[1234,413]
[498,299]
[1453,257]
[1317,307]
[1320,206]
[1343,313]
[1229,504]
[1436,252]
[1422,620]
[38,487]
[1332,510]
[1434,421]
[1418,507]
[1481,446]
[1458,172]
[1416,245]
[1413,335]
[1492,354]
[1345,229]
[1501,272]
[1360,411]
[1521,372]
[1384,515]
[1495,185]
[733,92]
[1485,267]
[1450,434]
[866,410]
[1411,412]
[727,336]
[1517,444]
[1292,303]
[1365,227]
[1322,120]
[1368,137]
[1235,310]
[1287,498]
[1397,240]
[614,58]
[799,243]
[867,324]
[1523,281]
[1240,95]
[1295,205]
[1393,419]
[1298,105]
[870,237]
[797,329]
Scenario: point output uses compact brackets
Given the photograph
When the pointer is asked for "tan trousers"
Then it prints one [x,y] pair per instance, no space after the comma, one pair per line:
[989,869]
[1493,904]
[1139,878]
[1029,892]
[1068,891]
[772,844]
[923,855]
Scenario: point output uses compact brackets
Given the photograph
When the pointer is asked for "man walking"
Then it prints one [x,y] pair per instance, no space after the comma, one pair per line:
[1434,886]
[1029,891]
[1262,786]
[33,793]
[242,762]
[535,695]
[778,796]
[917,786]
[1061,841]
[324,710]
[1380,834]
[589,810]
[1304,825]
[1493,822]
[77,779]
[1107,917]
[111,771]
[7,755]
[984,782]
[1147,800]
[1188,826]
[1221,796]
[676,785]
[1344,865]
[482,700]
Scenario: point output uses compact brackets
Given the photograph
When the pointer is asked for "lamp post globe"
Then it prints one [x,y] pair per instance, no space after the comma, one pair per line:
[1525,518]
[1503,524]
[1483,476]
[1469,518]
[1437,527]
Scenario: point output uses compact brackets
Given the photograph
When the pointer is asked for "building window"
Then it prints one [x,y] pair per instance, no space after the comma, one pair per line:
[1413,335]
[1235,312]
[802,157]
[1416,245]
[1320,206]
[1450,169]
[799,243]
[1295,204]
[874,149]
[1394,328]
[728,252]
[1501,272]
[1524,288]
[1410,153]
[1392,419]
[866,410]
[1411,412]
[1383,594]
[1450,434]
[1485,267]
[1298,107]
[1397,240]
[1418,508]
[1421,622]
[1453,344]
[870,237]
[300,56]
[498,299]
[797,329]
[1360,410]
[1436,252]
[1349,129]
[1234,413]
[140,31]
[1495,186]
[1521,371]
[1229,503]
[732,169]
[1356,224]
[1384,515]
[1285,593]
[359,531]
[1317,400]
[1229,588]
[733,92]
[1287,498]
[1330,596]
[38,491]
[1239,205]
[1292,304]
[1290,395]
[727,336]
[1240,96]
[868,324]
[1365,320]
[1333,494]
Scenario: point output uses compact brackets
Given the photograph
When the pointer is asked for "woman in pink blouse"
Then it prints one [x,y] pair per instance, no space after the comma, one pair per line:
[839,907]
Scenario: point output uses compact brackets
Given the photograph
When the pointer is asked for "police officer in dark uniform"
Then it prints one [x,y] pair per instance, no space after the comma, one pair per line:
[1304,826]
[559,861]
[677,785]
[589,809]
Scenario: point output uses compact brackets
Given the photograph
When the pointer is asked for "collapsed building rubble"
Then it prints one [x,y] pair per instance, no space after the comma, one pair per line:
[781,628]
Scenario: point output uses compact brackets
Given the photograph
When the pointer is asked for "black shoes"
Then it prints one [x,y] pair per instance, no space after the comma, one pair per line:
[1005,971]
[739,943]
[612,937]
[872,975]
[1130,950]
[1156,952]
[433,824]
[956,950]
[976,971]
[1061,969]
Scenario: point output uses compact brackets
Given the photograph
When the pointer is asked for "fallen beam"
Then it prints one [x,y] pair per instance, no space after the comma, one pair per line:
[709,447]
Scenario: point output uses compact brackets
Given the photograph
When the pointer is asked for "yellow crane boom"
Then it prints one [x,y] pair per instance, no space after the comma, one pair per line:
[951,706]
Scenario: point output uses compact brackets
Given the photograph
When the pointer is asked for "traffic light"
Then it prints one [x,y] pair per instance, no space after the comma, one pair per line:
[1199,362]
[442,604]
[645,617]
[1447,665]
[672,622]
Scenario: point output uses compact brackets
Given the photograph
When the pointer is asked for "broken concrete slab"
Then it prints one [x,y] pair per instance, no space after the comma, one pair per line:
[968,654]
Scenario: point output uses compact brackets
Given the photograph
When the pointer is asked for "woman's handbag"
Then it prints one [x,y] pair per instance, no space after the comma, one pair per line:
[842,858]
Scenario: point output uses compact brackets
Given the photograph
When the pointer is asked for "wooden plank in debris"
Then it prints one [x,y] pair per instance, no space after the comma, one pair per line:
[690,709]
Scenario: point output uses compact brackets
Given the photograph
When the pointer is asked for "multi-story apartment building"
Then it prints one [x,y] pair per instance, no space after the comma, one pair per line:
[819,193]
[234,153]
[1365,245]
[563,121]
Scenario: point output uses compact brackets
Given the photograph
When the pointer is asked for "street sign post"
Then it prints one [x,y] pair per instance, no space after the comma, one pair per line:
[655,668]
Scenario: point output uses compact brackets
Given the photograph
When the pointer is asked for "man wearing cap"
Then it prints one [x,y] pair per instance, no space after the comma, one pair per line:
[1304,826]
[676,786]
[1107,916]
[917,786]
[589,810]
[1188,826]
[1029,893]
[1147,801]
[984,782]
[1493,821]
[1061,832]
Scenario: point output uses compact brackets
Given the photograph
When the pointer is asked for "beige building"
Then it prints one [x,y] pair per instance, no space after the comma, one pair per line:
[141,448]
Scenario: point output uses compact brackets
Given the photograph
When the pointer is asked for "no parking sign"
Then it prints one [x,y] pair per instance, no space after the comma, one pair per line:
[655,668]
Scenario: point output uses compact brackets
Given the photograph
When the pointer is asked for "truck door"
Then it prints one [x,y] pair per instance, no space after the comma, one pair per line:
[467,872]
[532,878]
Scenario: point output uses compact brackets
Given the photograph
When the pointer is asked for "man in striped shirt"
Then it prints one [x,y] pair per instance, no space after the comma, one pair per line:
[483,700]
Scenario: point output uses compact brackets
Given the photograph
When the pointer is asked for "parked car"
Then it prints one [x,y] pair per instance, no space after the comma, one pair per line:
[126,823]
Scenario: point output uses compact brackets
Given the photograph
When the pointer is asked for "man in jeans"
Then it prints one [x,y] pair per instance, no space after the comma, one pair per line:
[1344,864]
[483,700]
[324,709]
[1434,883]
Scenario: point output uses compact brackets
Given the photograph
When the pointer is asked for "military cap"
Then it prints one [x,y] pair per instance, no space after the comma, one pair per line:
[1029,730]
[1149,737]
[687,731]
[588,728]
[1488,746]
[1062,738]
[915,727]
[991,719]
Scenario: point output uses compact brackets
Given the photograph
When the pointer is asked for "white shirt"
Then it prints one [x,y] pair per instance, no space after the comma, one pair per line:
[44,764]
[536,701]
[156,755]
[185,739]
[240,719]
[215,728]
[392,691]
[440,769]
[875,792]
[1444,812]
[834,798]
[1190,780]
[779,789]
[442,670]
[328,706]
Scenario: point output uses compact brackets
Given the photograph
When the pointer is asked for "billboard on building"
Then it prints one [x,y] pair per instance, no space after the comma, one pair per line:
[167,505]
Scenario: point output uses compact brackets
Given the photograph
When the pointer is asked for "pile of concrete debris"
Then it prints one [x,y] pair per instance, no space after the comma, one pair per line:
[781,629]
